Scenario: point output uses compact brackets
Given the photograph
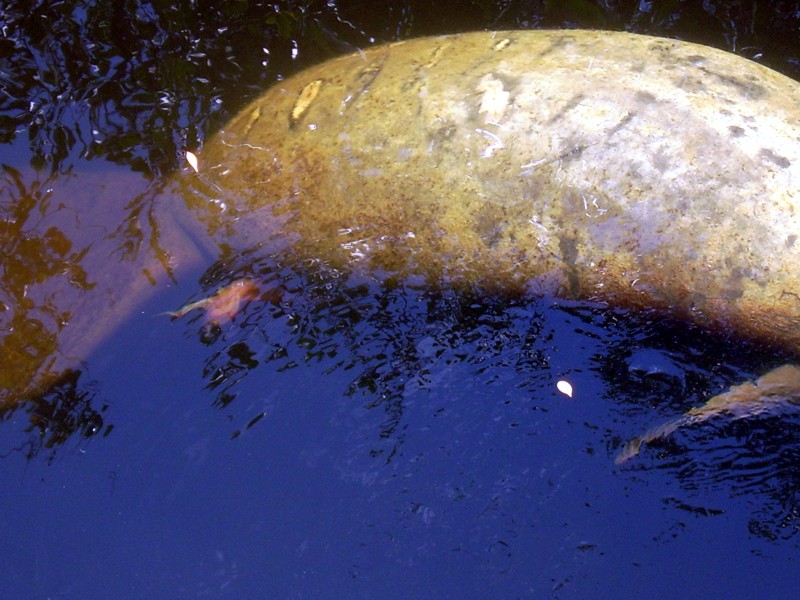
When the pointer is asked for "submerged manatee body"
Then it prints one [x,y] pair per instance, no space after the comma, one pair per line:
[638,171]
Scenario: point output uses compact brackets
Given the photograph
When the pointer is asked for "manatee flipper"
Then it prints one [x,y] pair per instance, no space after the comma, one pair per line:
[660,432]
[776,389]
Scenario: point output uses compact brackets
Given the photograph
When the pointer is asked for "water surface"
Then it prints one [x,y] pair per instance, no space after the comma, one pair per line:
[342,436]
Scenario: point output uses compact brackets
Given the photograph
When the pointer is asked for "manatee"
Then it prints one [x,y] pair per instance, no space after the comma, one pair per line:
[635,171]
[631,170]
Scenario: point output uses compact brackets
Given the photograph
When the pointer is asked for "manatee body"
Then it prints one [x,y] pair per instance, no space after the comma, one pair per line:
[638,171]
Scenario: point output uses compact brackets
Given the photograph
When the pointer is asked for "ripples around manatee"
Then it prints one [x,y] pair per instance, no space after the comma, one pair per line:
[398,358]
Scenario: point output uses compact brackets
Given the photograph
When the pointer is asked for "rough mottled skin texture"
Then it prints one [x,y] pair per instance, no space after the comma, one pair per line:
[634,170]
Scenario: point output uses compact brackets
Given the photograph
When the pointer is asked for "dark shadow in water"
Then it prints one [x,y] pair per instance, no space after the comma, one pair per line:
[385,334]
[387,340]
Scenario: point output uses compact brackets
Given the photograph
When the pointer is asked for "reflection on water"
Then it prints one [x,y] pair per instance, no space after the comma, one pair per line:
[34,251]
[137,82]
[82,251]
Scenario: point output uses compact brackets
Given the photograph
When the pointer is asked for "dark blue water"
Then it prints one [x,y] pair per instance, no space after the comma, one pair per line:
[430,457]
[344,438]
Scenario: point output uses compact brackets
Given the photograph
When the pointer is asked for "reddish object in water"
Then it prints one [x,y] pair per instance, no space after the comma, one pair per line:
[225,304]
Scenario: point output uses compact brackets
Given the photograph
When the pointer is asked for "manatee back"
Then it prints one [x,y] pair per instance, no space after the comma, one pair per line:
[634,170]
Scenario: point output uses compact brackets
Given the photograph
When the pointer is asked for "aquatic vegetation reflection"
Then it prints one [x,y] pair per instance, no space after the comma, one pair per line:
[69,408]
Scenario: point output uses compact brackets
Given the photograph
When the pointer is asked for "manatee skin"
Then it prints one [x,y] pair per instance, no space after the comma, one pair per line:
[632,170]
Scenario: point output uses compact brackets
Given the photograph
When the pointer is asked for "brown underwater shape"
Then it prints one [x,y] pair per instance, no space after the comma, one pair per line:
[774,390]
